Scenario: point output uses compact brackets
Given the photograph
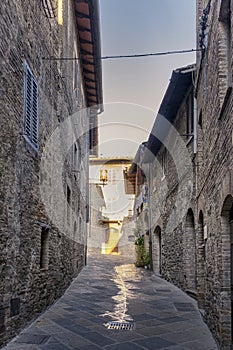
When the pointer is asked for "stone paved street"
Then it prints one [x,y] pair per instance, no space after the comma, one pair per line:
[111,288]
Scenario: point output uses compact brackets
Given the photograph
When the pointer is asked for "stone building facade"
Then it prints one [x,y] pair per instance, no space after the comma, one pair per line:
[164,168]
[44,96]
[191,206]
[96,227]
[137,184]
[214,216]
[109,235]
[126,243]
[170,159]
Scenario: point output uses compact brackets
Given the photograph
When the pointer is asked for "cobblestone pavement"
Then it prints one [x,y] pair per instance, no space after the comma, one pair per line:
[109,289]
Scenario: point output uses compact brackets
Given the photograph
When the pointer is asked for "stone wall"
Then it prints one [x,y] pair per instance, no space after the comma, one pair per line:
[97,229]
[26,288]
[172,193]
[126,243]
[215,185]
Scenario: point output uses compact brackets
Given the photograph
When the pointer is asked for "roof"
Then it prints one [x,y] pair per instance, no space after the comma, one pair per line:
[111,160]
[137,158]
[180,82]
[88,27]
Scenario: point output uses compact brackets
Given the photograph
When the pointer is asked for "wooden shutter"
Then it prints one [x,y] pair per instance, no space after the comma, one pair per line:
[31,107]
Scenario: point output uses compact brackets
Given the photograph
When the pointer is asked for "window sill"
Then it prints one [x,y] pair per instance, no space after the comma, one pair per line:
[163,178]
[32,148]
[188,141]
[42,269]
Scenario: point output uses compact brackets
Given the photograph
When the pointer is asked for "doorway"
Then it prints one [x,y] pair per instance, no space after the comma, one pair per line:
[227,283]
[157,256]
[231,235]
[189,253]
[201,258]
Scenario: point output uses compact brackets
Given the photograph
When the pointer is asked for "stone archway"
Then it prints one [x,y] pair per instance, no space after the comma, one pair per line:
[189,253]
[157,250]
[201,256]
[227,264]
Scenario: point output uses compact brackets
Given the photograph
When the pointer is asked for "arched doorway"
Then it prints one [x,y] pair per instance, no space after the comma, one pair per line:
[157,251]
[75,250]
[189,253]
[227,259]
[201,256]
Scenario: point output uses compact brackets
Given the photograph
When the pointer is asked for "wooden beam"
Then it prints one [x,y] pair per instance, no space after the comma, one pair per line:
[90,80]
[84,41]
[87,71]
[83,29]
[85,52]
[84,61]
[90,94]
[81,15]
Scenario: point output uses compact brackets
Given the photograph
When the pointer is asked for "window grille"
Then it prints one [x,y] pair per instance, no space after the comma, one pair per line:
[31,119]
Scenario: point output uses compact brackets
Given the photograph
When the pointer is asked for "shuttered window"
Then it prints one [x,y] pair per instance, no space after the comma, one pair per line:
[31,121]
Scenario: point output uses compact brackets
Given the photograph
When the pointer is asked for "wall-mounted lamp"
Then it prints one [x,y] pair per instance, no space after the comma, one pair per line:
[103,176]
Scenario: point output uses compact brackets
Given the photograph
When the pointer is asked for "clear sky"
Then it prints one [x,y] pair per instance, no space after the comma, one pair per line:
[134,87]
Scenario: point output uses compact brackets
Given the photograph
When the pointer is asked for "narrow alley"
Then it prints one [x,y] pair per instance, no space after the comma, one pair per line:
[116,175]
[110,289]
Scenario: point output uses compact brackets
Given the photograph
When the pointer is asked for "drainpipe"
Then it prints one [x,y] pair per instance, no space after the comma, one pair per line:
[195,166]
[87,185]
[149,215]
[195,145]
[195,127]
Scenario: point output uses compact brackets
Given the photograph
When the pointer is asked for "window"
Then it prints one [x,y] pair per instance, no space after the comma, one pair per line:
[75,231]
[31,119]
[75,160]
[68,198]
[75,156]
[200,120]
[44,250]
[93,134]
[190,115]
[75,76]
[80,225]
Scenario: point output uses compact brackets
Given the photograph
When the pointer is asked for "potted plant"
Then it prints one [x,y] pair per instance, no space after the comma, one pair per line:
[142,256]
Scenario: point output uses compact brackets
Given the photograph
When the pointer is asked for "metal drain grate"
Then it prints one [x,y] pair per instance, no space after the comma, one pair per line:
[126,326]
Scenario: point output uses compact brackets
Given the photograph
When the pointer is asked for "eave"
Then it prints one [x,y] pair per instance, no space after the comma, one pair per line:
[88,29]
[181,81]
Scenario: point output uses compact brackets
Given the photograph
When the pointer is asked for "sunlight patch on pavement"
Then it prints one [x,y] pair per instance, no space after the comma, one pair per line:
[124,274]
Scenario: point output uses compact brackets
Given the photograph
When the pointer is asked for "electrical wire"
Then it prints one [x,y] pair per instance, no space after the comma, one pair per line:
[127,56]
[151,54]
